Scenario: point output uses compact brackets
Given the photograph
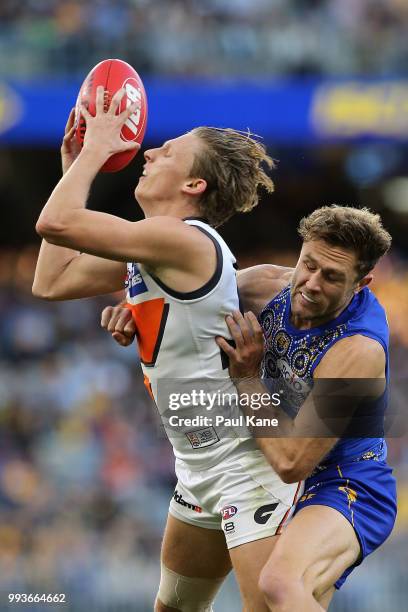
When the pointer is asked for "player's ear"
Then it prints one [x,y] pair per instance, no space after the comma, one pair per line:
[194,186]
[366,280]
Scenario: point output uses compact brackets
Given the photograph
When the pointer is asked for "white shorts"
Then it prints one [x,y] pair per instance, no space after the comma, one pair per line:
[243,496]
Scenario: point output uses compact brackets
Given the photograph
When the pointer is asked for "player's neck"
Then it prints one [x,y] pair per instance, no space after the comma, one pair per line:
[180,210]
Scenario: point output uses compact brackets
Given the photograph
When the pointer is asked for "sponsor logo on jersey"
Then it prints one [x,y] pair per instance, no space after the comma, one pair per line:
[292,380]
[263,514]
[179,499]
[294,390]
[201,438]
[134,282]
[228,512]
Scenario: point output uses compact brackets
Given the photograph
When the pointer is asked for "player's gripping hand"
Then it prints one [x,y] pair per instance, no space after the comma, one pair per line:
[103,131]
[119,322]
[246,357]
[70,147]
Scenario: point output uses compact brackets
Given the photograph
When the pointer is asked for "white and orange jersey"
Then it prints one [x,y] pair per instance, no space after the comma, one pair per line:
[176,339]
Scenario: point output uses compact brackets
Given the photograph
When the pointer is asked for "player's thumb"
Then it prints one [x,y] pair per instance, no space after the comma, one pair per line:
[131,145]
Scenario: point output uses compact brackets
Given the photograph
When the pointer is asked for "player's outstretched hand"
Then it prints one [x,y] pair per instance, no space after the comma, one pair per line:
[119,322]
[103,131]
[246,357]
[70,147]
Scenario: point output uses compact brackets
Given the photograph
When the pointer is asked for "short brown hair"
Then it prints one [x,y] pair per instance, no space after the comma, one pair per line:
[231,164]
[356,229]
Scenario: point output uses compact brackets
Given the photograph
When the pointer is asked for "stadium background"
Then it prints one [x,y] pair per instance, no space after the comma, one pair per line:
[85,475]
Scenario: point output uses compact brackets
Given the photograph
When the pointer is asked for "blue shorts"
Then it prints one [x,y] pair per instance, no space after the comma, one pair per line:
[364,491]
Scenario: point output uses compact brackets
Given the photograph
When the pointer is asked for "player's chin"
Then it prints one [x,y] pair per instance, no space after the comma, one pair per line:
[305,310]
[140,198]
[138,188]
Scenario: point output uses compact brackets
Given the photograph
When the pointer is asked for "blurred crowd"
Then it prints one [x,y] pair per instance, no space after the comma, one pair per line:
[85,471]
[205,37]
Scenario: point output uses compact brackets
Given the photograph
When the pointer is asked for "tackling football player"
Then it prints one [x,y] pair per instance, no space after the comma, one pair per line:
[326,348]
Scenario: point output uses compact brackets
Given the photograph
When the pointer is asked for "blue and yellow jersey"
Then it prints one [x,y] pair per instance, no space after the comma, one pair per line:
[291,356]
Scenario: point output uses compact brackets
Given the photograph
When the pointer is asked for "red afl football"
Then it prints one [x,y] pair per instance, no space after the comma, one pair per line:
[114,74]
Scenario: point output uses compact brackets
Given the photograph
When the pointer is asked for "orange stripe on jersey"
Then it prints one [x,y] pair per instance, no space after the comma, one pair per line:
[150,318]
[148,385]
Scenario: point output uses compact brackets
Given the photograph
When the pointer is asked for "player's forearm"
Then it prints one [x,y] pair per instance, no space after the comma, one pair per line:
[51,264]
[69,196]
[279,443]
[251,391]
[295,446]
[255,392]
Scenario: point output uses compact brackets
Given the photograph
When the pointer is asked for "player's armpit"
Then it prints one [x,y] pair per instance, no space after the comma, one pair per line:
[258,285]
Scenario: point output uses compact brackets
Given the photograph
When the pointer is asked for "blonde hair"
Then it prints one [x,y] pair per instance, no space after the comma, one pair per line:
[231,164]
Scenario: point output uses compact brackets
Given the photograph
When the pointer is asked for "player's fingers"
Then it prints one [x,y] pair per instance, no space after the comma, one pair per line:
[235,331]
[253,323]
[223,344]
[129,146]
[70,122]
[105,316]
[85,112]
[112,322]
[124,317]
[116,100]
[130,328]
[119,317]
[125,313]
[100,99]
[69,137]
[245,326]
[121,339]
[242,324]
